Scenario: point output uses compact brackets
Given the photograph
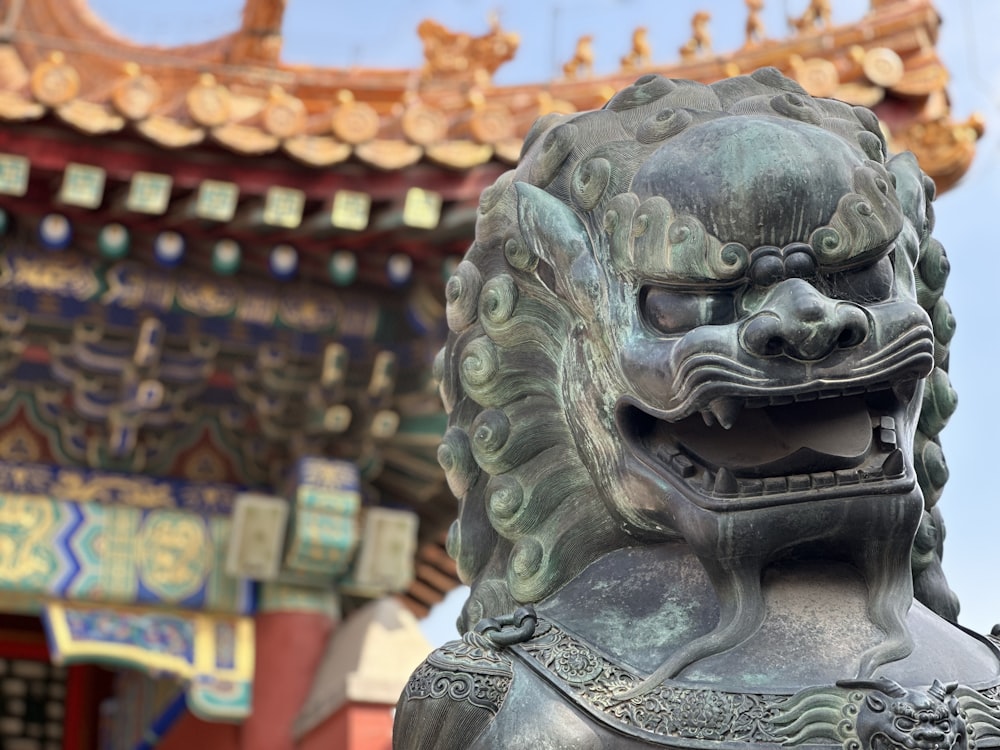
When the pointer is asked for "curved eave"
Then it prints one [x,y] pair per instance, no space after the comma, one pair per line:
[63,60]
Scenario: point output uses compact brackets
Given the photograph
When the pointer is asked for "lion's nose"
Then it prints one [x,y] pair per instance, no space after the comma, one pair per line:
[928,734]
[803,324]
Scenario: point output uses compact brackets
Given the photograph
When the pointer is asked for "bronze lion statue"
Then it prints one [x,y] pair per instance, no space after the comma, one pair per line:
[695,378]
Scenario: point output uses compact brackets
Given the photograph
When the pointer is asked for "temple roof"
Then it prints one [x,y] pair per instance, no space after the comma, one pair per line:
[235,92]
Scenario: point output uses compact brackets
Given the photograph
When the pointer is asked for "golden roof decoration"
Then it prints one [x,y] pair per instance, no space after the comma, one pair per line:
[169,133]
[700,42]
[817,75]
[753,31]
[818,13]
[423,125]
[60,59]
[882,66]
[136,95]
[54,81]
[245,139]
[208,102]
[354,122]
[316,151]
[641,53]
[450,54]
[88,117]
[582,62]
[284,116]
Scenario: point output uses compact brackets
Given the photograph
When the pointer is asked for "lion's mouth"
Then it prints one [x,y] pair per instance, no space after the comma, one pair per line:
[757,451]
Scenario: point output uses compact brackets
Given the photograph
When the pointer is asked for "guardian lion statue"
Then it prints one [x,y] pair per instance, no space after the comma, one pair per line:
[695,378]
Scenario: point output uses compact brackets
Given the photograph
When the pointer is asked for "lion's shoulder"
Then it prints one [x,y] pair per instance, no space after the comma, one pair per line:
[458,689]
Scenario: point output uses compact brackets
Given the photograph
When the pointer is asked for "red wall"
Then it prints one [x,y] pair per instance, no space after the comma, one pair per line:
[356,726]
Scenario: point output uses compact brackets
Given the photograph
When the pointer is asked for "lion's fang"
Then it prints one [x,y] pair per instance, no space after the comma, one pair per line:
[726,410]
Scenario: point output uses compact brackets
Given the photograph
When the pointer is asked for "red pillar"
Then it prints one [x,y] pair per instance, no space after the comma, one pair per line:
[355,726]
[289,648]
[86,686]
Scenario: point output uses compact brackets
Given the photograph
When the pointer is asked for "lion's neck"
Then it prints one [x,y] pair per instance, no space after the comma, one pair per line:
[640,605]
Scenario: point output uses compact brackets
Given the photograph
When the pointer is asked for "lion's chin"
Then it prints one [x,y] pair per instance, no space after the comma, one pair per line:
[741,453]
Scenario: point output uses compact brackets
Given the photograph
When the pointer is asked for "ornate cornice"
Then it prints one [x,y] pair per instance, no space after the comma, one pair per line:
[62,61]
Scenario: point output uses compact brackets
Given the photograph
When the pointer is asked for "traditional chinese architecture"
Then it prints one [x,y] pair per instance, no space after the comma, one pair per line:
[222,288]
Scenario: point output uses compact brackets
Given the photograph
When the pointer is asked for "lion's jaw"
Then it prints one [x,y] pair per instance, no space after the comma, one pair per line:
[736,431]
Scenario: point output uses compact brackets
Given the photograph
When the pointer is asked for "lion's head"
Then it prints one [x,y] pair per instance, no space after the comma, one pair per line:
[709,315]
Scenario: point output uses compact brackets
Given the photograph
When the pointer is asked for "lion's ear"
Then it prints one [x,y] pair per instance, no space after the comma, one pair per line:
[909,184]
[557,236]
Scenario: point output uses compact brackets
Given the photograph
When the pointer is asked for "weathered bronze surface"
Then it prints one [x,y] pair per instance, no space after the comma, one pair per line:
[695,380]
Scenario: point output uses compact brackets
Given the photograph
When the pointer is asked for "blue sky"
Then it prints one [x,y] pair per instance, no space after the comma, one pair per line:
[382,33]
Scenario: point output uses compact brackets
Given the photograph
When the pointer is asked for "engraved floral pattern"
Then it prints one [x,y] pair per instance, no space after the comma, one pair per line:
[673,711]
[575,664]
[483,690]
[467,670]
[669,711]
[474,653]
[473,670]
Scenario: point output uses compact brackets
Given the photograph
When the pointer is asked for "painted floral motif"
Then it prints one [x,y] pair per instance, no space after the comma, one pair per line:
[158,633]
[225,645]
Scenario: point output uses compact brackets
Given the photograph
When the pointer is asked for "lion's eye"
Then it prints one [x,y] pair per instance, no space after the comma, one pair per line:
[868,284]
[669,311]
[903,724]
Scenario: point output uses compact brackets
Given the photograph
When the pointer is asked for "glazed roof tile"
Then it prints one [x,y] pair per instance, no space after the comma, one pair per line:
[234,92]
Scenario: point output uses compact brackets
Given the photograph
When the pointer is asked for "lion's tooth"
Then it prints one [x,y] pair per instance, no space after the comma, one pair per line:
[684,466]
[725,482]
[665,452]
[709,418]
[726,410]
[893,466]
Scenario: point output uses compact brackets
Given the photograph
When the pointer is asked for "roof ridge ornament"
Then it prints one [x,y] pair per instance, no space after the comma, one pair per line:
[457,54]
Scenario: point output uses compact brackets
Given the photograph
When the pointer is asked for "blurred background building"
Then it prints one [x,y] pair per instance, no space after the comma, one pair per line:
[222,286]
